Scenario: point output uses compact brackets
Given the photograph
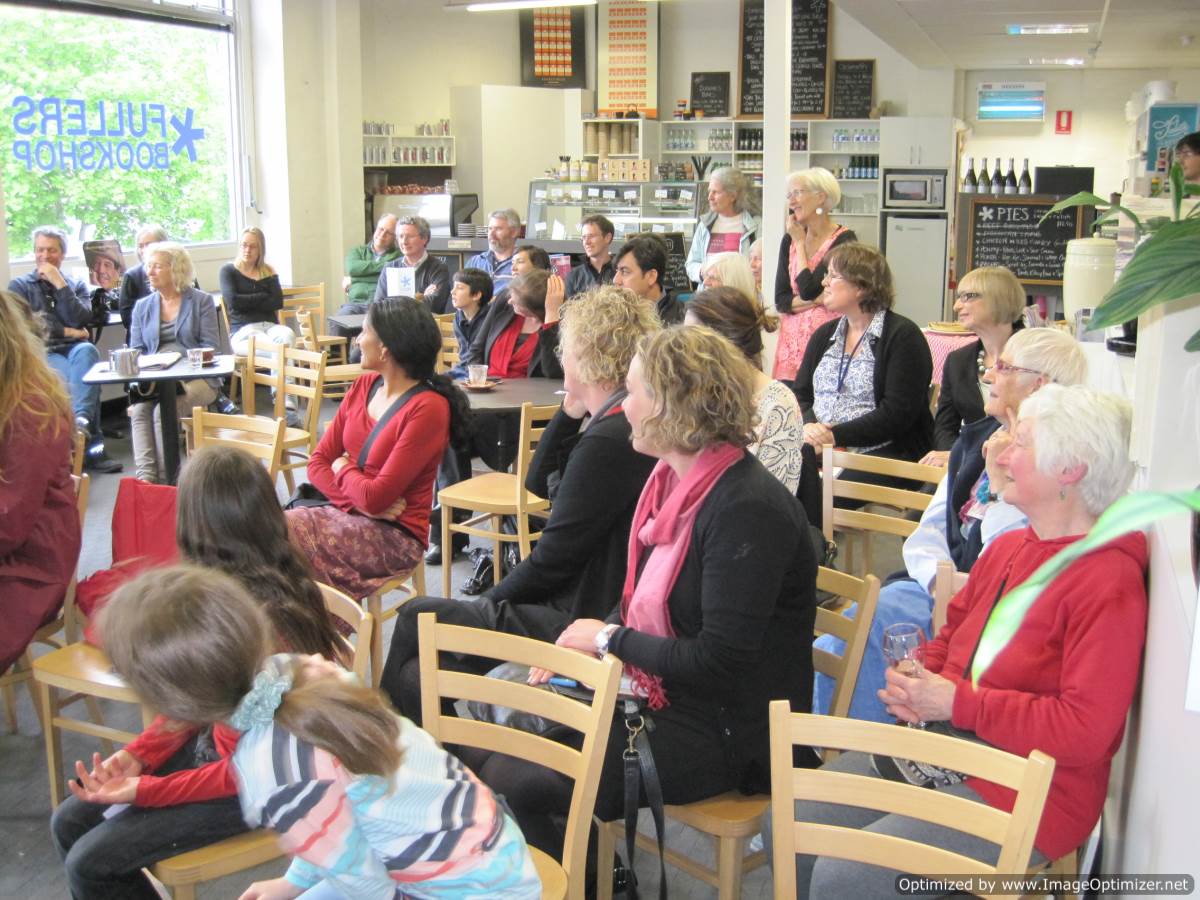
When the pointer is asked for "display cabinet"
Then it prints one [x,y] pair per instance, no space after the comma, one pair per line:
[557,207]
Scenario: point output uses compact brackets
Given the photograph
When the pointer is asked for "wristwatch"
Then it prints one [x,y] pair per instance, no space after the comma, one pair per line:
[603,636]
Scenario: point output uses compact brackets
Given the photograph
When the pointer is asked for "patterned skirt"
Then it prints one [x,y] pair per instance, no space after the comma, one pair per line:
[355,554]
[794,331]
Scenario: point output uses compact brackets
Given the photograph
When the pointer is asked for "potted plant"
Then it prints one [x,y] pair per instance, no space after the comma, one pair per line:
[1166,261]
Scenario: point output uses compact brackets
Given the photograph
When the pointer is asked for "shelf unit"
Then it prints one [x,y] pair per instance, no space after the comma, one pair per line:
[621,138]
[407,151]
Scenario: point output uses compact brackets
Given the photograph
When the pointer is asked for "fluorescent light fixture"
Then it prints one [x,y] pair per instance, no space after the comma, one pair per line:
[1054,61]
[1012,101]
[524,4]
[1049,29]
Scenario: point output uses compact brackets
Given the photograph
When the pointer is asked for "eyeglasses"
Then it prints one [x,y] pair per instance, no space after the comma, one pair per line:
[1185,152]
[833,276]
[796,192]
[1001,367]
[969,296]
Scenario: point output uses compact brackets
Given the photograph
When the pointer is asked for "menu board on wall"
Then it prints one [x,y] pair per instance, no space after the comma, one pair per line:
[1006,233]
[552,47]
[627,57]
[810,58]
[710,94]
[853,88]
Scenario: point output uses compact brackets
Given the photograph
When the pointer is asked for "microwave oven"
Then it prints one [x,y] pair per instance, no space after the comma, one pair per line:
[914,189]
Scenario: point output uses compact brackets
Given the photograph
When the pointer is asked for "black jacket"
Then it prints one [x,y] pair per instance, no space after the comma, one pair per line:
[963,470]
[545,362]
[903,370]
[960,401]
[248,301]
[670,309]
[594,479]
[583,277]
[432,280]
[808,282]
[742,610]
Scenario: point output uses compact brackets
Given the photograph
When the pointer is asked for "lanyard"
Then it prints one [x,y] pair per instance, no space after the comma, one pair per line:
[844,362]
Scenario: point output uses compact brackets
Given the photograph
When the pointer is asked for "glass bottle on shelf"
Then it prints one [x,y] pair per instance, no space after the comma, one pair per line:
[969,183]
[997,179]
[1010,179]
[1024,185]
[984,182]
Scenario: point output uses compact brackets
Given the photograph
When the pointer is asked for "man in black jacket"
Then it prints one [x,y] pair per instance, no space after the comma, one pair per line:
[642,268]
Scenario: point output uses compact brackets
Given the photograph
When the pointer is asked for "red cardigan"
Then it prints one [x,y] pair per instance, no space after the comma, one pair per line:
[403,461]
[157,744]
[1064,683]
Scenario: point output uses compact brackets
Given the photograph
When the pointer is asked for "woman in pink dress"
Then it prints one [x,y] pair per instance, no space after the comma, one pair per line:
[811,234]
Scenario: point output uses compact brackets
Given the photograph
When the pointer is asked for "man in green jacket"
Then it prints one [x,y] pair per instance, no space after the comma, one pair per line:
[363,265]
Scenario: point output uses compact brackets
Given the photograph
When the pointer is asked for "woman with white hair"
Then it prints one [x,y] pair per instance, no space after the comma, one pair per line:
[730,224]
[729,270]
[175,316]
[1064,681]
[966,513]
[811,233]
[134,285]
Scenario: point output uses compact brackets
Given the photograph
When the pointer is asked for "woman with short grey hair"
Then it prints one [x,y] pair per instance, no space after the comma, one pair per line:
[178,317]
[730,225]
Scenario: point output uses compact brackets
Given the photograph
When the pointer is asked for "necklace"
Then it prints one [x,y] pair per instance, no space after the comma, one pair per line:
[979,362]
[844,362]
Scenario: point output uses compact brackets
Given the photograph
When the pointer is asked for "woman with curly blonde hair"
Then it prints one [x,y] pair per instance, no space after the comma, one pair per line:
[718,592]
[39,525]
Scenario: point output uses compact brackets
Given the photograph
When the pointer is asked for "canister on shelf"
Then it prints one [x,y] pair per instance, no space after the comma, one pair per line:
[591,141]
[1088,273]
[602,139]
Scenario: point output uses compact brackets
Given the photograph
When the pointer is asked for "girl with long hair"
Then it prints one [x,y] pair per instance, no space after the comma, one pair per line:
[357,794]
[39,524]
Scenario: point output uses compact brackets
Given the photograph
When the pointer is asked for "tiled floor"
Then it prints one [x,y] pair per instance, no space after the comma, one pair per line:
[29,866]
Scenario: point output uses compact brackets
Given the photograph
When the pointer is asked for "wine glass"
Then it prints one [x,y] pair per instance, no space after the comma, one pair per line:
[904,650]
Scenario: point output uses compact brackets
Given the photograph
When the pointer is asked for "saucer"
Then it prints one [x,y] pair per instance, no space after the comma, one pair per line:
[481,388]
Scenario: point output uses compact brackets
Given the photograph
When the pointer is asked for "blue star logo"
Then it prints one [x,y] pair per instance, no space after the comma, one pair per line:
[188,134]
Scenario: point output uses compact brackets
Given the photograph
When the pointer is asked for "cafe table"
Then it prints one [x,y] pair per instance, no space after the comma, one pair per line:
[349,321]
[165,378]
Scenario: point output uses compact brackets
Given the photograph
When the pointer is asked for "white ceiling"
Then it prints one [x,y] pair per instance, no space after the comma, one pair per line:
[972,34]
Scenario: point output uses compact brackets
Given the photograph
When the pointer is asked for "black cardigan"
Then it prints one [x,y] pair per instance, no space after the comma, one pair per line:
[808,282]
[742,610]
[578,565]
[545,362]
[248,301]
[960,401]
[903,370]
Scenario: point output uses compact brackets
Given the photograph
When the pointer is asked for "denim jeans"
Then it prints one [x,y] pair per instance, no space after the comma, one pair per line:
[899,601]
[104,856]
[72,363]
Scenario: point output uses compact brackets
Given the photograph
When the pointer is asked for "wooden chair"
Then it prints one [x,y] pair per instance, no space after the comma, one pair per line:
[732,818]
[57,633]
[339,376]
[946,583]
[311,298]
[261,438]
[583,766]
[84,671]
[858,522]
[1014,831]
[78,452]
[448,356]
[412,584]
[225,337]
[498,494]
[184,871]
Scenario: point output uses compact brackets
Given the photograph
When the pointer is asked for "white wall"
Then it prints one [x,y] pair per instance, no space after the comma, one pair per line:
[1100,134]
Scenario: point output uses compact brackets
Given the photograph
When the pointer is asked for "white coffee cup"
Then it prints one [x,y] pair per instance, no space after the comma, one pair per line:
[477,375]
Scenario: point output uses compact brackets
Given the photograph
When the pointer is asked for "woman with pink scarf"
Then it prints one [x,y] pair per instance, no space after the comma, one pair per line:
[811,234]
[716,614]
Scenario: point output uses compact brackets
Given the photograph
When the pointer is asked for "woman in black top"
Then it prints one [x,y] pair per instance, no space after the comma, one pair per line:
[717,599]
[864,381]
[989,303]
[253,295]
[593,476]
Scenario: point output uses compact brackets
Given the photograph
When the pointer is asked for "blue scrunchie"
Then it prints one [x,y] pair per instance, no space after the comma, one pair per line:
[259,705]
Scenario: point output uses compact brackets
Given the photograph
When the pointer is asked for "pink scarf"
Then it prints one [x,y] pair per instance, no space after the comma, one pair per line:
[663,522]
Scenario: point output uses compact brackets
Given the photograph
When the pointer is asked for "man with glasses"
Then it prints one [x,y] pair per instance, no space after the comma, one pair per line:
[431,278]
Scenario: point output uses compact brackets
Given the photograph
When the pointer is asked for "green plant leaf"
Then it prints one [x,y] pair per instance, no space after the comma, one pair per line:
[1176,188]
[1164,267]
[1087,198]
[1130,513]
[1193,343]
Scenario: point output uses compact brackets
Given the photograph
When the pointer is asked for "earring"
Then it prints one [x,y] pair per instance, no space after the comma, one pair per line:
[820,210]
[1062,493]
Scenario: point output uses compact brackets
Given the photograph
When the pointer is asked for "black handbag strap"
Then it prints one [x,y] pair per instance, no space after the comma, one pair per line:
[419,388]
[639,765]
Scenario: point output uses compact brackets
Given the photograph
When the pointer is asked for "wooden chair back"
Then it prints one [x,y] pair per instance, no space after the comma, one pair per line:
[832,486]
[534,419]
[261,438]
[1014,832]
[356,654]
[592,721]
[264,364]
[304,383]
[854,632]
[78,452]
[946,583]
[448,356]
[223,333]
[338,376]
[309,297]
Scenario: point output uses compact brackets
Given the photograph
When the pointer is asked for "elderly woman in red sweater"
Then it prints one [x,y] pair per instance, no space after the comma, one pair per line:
[1063,684]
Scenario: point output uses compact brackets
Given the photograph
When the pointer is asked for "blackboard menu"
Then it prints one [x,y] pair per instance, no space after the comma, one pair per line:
[710,93]
[750,63]
[810,58]
[1006,233]
[853,88]
[677,278]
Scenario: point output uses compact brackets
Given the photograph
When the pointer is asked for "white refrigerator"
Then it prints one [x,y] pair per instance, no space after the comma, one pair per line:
[915,246]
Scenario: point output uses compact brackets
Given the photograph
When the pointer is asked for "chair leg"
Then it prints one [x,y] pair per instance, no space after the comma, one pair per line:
[10,706]
[98,717]
[375,608]
[290,481]
[53,744]
[447,553]
[418,579]
[497,524]
[729,867]
[605,849]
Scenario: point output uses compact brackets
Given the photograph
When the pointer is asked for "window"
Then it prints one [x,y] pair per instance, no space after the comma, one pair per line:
[117,117]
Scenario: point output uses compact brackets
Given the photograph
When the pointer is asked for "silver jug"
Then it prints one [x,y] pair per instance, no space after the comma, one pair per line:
[124,361]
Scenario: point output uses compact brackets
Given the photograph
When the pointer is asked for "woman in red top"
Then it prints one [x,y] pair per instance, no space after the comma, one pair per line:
[376,523]
[1064,683]
[228,519]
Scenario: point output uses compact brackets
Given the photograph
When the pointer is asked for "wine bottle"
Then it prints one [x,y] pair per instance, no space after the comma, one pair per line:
[969,183]
[997,179]
[1010,179]
[1025,186]
[983,184]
